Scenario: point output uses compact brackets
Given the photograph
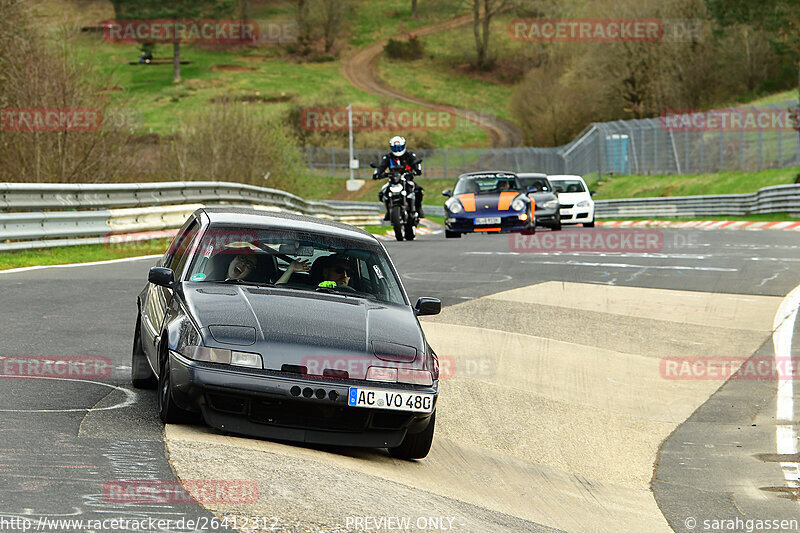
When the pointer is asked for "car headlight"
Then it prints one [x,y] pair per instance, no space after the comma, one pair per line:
[551,204]
[583,203]
[221,355]
[518,204]
[454,206]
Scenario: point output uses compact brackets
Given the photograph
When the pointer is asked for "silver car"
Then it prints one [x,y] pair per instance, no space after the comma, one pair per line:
[542,192]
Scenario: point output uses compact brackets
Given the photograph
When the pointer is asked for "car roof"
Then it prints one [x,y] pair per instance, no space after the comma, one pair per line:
[562,177]
[489,174]
[531,175]
[259,219]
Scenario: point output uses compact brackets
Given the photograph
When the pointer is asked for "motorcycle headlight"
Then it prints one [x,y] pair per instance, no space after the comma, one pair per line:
[518,204]
[552,204]
[454,206]
[583,203]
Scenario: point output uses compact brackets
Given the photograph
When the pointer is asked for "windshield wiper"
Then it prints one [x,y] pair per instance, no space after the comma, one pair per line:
[239,281]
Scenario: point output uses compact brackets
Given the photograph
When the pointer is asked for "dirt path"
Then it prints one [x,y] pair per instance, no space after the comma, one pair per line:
[360,70]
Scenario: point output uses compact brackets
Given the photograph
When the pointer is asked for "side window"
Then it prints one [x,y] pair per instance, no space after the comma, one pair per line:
[180,248]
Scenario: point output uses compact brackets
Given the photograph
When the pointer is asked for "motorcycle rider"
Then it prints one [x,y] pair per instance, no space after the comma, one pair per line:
[403,159]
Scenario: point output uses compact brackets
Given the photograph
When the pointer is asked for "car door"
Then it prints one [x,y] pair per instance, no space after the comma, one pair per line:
[158,299]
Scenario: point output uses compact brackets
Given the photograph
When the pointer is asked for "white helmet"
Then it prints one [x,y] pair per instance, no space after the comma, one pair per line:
[398,146]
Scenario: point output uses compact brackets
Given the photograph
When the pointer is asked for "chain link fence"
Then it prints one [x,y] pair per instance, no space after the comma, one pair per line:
[745,138]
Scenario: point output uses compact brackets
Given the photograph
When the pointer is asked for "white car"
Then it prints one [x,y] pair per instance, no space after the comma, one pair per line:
[576,201]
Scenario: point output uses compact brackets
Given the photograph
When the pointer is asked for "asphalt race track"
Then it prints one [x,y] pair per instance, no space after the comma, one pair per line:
[558,411]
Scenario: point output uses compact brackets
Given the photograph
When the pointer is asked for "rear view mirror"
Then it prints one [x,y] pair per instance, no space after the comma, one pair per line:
[296,249]
[428,306]
[447,192]
[592,193]
[163,277]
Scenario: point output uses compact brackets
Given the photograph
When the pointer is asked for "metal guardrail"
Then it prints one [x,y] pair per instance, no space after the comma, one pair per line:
[776,199]
[44,215]
[38,215]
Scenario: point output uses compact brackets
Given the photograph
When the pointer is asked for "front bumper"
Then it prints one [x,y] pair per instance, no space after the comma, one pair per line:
[507,224]
[275,405]
[546,217]
[576,215]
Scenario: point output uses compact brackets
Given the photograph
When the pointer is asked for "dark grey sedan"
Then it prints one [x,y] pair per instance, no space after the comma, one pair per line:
[287,327]
[547,205]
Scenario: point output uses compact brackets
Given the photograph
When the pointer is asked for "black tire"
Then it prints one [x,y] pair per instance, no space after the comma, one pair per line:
[417,445]
[142,376]
[588,224]
[397,222]
[410,231]
[451,234]
[168,410]
[557,225]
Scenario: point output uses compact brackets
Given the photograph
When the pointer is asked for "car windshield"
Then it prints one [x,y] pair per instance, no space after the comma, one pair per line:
[488,183]
[326,263]
[569,186]
[539,183]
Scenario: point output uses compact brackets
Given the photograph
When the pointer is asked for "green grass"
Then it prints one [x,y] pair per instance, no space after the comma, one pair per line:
[690,185]
[441,75]
[64,255]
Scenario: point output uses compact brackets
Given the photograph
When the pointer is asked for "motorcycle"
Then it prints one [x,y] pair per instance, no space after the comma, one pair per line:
[402,202]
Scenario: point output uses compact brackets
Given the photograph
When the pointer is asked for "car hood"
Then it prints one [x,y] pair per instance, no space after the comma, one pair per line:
[304,328]
[573,197]
[488,204]
[542,197]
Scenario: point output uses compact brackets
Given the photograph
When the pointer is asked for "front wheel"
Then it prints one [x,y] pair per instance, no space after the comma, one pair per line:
[397,222]
[168,410]
[415,446]
[588,224]
[557,225]
[142,376]
[451,234]
[411,230]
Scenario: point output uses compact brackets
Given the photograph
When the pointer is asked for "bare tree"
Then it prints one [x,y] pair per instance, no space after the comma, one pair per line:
[483,11]
[36,74]
[414,8]
[334,15]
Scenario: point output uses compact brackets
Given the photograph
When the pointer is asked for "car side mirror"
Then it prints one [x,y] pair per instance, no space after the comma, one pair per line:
[592,193]
[447,192]
[163,277]
[427,306]
[532,190]
[373,165]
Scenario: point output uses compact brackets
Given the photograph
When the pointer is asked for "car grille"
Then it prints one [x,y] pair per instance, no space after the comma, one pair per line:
[567,206]
[307,414]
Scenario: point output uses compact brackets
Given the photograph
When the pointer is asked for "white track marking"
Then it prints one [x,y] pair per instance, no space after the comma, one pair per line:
[624,265]
[130,399]
[786,437]
[71,265]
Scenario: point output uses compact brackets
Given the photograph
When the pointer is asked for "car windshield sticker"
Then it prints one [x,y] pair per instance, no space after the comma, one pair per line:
[377,270]
[198,277]
[209,251]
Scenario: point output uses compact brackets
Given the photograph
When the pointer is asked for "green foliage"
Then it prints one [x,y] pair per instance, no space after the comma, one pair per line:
[408,50]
